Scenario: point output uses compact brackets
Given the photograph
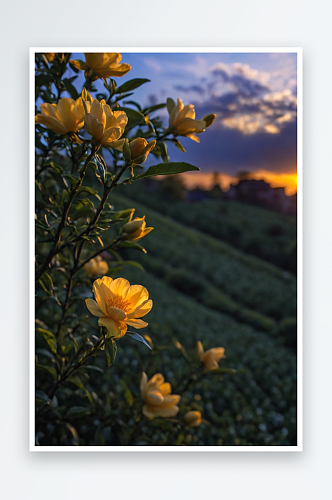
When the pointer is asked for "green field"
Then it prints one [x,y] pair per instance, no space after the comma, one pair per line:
[204,289]
[266,234]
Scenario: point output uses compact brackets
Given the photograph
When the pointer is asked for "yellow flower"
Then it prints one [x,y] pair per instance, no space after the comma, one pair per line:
[140,148]
[50,56]
[65,117]
[105,125]
[96,266]
[103,64]
[193,418]
[118,305]
[211,357]
[182,120]
[156,394]
[136,229]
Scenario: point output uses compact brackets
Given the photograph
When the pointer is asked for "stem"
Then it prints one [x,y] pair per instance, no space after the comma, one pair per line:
[107,190]
[54,249]
[114,243]
[67,374]
[45,155]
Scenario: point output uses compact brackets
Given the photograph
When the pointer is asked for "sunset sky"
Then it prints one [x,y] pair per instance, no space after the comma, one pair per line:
[253,96]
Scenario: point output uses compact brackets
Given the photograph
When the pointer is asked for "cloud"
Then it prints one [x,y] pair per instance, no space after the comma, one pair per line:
[243,99]
[190,88]
[153,63]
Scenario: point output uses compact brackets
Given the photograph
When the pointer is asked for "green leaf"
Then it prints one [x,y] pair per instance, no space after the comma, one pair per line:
[77,381]
[43,80]
[133,263]
[70,88]
[166,169]
[46,283]
[93,367]
[131,85]
[43,398]
[127,394]
[89,190]
[132,244]
[231,371]
[133,103]
[121,214]
[55,167]
[139,338]
[146,111]
[134,117]
[48,337]
[49,370]
[110,351]
[77,411]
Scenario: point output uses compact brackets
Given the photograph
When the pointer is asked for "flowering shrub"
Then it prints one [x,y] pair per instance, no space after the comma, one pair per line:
[80,235]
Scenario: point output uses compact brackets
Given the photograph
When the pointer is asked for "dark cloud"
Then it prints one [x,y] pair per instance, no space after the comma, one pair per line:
[190,88]
[245,85]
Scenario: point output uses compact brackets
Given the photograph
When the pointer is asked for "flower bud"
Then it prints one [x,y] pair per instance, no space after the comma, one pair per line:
[126,150]
[135,229]
[137,146]
[209,119]
[96,266]
[193,418]
[134,225]
[140,149]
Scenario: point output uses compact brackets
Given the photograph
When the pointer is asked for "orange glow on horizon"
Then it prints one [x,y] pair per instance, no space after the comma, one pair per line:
[206,180]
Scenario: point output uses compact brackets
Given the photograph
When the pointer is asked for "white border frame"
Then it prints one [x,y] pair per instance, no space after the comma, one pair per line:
[123,50]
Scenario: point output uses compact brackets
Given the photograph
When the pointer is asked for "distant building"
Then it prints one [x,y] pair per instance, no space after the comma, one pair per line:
[259,192]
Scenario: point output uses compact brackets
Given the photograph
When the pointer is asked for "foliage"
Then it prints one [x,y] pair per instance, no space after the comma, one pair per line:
[89,366]
[266,234]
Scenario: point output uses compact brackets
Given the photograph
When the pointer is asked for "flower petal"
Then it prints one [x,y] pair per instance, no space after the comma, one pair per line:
[194,137]
[136,323]
[120,287]
[200,350]
[106,294]
[51,123]
[156,381]
[137,294]
[67,111]
[93,126]
[218,353]
[154,398]
[98,112]
[142,310]
[170,400]
[112,326]
[118,145]
[116,314]
[165,412]
[166,388]
[96,60]
[111,135]
[147,411]
[94,308]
